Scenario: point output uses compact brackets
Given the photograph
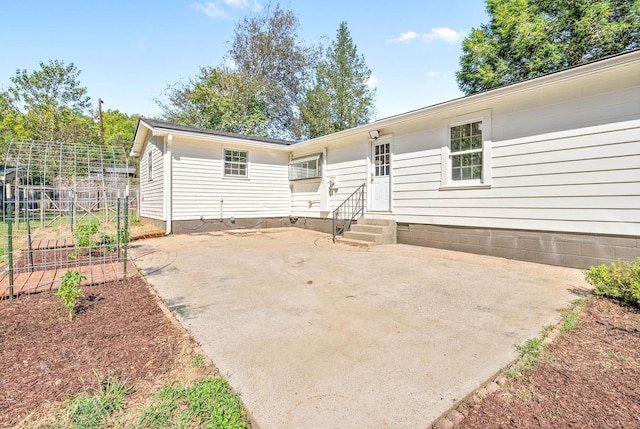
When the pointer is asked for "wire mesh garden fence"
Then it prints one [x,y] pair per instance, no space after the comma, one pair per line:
[64,207]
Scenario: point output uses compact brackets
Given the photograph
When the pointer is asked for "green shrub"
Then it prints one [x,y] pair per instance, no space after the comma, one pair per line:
[619,281]
[69,291]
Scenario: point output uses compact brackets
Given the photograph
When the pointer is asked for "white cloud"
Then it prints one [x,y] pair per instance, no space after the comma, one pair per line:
[442,33]
[253,5]
[433,75]
[405,37]
[371,81]
[221,8]
[210,9]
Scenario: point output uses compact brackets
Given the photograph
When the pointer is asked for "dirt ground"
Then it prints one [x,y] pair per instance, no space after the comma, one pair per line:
[119,330]
[588,378]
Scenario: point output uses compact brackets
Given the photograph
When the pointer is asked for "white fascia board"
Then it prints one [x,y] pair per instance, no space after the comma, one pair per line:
[140,138]
[623,60]
[232,141]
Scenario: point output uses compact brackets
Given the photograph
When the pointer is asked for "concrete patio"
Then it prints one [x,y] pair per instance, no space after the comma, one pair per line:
[320,335]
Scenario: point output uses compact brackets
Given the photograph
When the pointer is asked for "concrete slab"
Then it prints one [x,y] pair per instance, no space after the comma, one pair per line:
[321,335]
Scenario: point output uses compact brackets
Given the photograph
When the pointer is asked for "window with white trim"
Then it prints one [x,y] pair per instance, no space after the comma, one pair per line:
[307,167]
[465,142]
[466,151]
[235,163]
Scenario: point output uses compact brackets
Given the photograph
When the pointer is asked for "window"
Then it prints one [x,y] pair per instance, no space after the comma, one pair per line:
[306,167]
[381,159]
[235,163]
[150,167]
[466,151]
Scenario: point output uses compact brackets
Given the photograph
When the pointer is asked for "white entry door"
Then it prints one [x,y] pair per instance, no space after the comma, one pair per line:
[380,183]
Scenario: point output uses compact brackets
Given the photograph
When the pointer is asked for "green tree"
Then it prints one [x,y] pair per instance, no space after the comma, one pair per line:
[267,50]
[7,124]
[528,38]
[53,104]
[220,99]
[119,130]
[340,98]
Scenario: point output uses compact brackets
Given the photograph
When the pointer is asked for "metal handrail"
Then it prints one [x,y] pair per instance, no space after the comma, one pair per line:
[348,211]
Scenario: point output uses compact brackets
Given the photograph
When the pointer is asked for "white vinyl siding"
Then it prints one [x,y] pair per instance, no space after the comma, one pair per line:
[201,189]
[151,188]
[346,161]
[564,158]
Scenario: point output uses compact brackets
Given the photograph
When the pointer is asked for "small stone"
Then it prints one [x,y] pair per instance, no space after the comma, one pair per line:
[58,382]
[455,417]
[482,393]
[442,423]
[492,387]
[501,380]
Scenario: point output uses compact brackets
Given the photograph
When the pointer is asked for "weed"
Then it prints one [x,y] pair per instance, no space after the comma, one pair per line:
[197,361]
[208,403]
[612,356]
[547,330]
[69,291]
[95,410]
[571,320]
[531,347]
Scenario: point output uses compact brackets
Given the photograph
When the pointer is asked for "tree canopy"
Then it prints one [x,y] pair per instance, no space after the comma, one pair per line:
[219,99]
[340,98]
[51,104]
[51,100]
[528,38]
[267,50]
[273,84]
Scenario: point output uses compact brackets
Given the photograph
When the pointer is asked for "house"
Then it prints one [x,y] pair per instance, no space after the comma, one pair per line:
[546,170]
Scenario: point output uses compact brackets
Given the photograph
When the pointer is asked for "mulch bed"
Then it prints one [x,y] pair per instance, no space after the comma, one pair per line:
[590,379]
[119,330]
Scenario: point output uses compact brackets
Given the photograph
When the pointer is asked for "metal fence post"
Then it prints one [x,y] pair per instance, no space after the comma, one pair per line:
[126,229]
[10,239]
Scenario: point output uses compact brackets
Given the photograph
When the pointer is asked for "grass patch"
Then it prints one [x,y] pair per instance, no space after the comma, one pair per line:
[95,410]
[207,403]
[572,319]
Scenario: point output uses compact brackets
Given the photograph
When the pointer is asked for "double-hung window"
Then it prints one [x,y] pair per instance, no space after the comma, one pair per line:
[235,163]
[466,152]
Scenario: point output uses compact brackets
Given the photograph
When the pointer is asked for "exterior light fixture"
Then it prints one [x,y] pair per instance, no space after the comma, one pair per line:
[374,134]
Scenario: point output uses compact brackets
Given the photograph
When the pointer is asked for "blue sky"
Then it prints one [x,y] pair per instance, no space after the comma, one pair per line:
[129,51]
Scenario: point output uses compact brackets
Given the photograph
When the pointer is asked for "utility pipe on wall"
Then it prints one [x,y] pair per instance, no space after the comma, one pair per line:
[168,184]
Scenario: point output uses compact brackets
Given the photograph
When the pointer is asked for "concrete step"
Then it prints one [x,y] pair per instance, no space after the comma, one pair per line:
[363,236]
[352,242]
[371,229]
[379,221]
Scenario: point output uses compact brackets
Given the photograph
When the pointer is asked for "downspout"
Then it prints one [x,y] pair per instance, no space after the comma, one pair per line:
[168,184]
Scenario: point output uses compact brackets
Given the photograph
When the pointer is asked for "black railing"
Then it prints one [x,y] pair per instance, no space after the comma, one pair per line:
[348,211]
